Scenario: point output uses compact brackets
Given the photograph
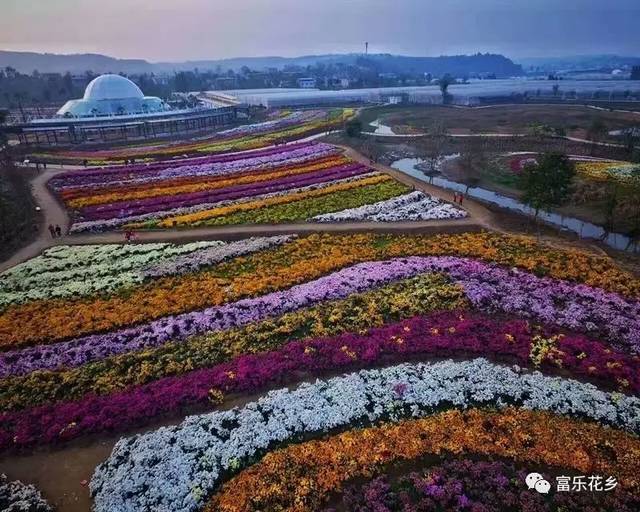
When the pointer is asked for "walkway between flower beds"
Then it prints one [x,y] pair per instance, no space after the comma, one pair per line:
[54,213]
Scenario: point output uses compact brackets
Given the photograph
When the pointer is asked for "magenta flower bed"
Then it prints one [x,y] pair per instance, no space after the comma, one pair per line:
[466,485]
[210,165]
[151,204]
[489,288]
[442,334]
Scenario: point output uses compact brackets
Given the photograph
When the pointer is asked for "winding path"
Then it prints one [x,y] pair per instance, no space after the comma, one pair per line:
[479,217]
[54,213]
[387,131]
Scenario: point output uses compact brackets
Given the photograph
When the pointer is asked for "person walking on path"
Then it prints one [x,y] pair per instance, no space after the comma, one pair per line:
[461,198]
[52,230]
[58,230]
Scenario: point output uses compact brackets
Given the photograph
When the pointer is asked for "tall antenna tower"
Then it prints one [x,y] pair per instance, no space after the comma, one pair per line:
[366,48]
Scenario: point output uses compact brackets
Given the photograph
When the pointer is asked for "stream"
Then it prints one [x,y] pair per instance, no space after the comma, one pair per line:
[582,228]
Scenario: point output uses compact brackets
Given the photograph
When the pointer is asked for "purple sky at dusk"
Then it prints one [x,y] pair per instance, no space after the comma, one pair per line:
[171,30]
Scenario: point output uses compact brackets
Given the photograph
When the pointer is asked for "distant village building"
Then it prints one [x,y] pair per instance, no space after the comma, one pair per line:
[306,83]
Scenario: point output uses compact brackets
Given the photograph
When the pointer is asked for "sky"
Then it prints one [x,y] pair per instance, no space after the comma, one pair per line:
[176,30]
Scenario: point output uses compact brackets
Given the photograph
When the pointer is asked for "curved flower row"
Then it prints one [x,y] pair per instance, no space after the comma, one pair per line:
[487,287]
[465,484]
[293,126]
[341,169]
[171,467]
[151,220]
[301,477]
[301,260]
[120,197]
[18,497]
[353,314]
[108,268]
[72,184]
[441,335]
[412,206]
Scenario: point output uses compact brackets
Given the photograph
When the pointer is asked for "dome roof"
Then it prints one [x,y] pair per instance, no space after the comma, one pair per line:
[112,87]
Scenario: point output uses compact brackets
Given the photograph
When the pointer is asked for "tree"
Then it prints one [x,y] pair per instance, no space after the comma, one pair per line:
[5,154]
[473,163]
[610,205]
[630,138]
[444,84]
[547,183]
[354,128]
[597,132]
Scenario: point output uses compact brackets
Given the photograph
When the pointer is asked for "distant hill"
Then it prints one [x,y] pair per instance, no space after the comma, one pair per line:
[27,62]
[578,62]
[459,65]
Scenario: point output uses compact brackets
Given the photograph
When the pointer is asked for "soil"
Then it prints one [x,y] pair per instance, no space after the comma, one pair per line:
[575,120]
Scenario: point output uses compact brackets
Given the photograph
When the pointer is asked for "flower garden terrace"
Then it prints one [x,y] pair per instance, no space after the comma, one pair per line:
[280,127]
[304,181]
[543,370]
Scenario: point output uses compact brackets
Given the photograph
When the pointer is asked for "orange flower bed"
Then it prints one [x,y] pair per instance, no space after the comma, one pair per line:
[299,478]
[195,218]
[153,190]
[298,261]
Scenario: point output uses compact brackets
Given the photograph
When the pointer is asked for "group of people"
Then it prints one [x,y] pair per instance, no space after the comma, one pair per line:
[458,197]
[56,231]
[129,236]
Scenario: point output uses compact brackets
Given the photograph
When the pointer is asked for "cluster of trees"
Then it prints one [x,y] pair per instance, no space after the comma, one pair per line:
[19,90]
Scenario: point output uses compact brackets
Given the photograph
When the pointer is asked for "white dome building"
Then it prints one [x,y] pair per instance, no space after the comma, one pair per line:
[112,95]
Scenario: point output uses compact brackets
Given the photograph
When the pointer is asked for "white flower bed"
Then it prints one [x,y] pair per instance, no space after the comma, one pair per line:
[409,207]
[18,497]
[83,270]
[194,261]
[104,225]
[176,468]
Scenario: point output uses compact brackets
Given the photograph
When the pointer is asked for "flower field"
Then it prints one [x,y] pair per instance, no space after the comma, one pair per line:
[18,497]
[589,169]
[424,372]
[297,182]
[282,127]
[625,174]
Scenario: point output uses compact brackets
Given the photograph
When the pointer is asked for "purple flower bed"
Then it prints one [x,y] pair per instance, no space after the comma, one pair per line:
[475,486]
[151,204]
[211,166]
[442,334]
[490,288]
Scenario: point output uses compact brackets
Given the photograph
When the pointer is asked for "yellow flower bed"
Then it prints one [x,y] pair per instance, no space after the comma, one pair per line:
[194,218]
[298,261]
[625,174]
[144,192]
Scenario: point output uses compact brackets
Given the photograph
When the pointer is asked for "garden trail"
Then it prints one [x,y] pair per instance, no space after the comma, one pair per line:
[54,213]
[480,217]
[388,132]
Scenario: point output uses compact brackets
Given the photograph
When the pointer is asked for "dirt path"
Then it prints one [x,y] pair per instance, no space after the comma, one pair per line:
[389,133]
[54,213]
[480,217]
